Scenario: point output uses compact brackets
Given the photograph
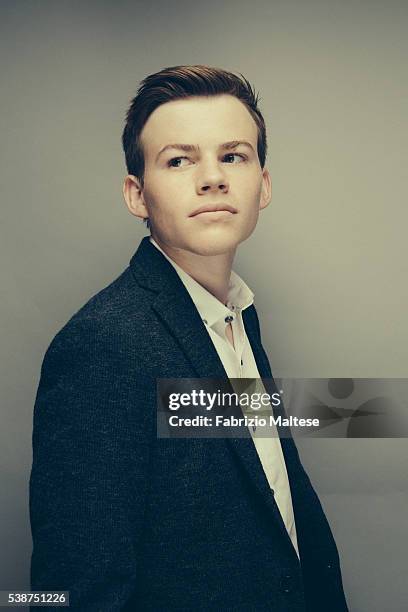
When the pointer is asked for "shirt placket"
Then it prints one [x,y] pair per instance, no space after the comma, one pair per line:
[234,318]
[239,336]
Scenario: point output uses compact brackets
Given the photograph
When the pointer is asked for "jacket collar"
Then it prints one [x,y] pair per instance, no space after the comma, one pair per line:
[210,308]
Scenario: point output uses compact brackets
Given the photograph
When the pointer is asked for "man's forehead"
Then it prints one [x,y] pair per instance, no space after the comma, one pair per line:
[212,119]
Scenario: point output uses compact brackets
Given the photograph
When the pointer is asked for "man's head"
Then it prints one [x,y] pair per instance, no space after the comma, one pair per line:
[195,138]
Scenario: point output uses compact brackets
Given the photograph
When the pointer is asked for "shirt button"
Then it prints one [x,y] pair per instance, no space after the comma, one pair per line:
[229,319]
[242,363]
[205,321]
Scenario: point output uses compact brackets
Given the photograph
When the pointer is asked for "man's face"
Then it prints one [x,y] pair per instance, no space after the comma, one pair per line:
[201,153]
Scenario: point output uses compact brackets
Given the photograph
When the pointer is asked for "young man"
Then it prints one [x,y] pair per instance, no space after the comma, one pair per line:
[123,519]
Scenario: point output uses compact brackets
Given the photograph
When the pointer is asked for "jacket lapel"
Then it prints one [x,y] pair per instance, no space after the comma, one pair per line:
[251,327]
[174,306]
[179,314]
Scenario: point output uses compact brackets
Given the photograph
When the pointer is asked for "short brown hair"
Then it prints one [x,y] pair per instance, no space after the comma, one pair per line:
[183,82]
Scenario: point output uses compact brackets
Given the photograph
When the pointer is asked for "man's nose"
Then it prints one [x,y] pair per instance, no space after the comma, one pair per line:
[212,178]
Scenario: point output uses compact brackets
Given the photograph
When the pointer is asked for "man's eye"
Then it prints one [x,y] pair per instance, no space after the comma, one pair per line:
[232,158]
[176,162]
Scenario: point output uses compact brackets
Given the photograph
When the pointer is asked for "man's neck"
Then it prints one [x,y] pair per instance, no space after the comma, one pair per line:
[211,271]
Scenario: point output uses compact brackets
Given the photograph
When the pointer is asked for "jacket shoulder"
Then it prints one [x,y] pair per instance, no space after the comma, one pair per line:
[107,324]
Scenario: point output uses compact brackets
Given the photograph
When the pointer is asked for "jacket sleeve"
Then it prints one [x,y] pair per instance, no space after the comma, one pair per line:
[93,421]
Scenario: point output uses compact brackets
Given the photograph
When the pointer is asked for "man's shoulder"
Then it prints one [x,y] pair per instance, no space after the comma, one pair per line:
[119,309]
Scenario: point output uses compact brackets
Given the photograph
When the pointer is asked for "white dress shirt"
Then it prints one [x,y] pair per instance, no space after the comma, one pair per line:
[239,362]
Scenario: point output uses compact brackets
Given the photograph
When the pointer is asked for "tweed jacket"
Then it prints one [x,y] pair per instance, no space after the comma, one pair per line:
[125,520]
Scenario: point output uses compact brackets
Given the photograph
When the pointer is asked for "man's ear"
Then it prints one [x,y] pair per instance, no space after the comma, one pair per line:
[133,195]
[266,192]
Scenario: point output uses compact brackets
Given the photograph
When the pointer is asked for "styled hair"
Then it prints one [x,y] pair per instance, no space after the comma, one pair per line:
[178,82]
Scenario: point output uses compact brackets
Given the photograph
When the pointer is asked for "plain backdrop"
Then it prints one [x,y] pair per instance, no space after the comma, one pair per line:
[327,263]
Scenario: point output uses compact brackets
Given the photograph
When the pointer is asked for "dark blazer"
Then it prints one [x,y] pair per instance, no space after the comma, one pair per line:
[127,521]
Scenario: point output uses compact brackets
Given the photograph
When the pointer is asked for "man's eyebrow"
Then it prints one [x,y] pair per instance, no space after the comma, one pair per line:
[233,144]
[225,146]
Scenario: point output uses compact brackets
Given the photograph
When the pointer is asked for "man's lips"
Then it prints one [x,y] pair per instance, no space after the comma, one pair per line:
[213,208]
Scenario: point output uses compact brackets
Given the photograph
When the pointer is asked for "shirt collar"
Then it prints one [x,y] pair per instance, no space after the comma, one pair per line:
[209,307]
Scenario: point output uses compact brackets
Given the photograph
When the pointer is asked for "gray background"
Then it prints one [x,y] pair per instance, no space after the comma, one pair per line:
[327,263]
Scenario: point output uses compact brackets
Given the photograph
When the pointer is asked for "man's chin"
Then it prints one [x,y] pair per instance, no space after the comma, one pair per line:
[212,245]
[209,243]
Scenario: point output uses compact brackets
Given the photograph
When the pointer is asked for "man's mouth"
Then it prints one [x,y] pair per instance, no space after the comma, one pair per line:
[212,208]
